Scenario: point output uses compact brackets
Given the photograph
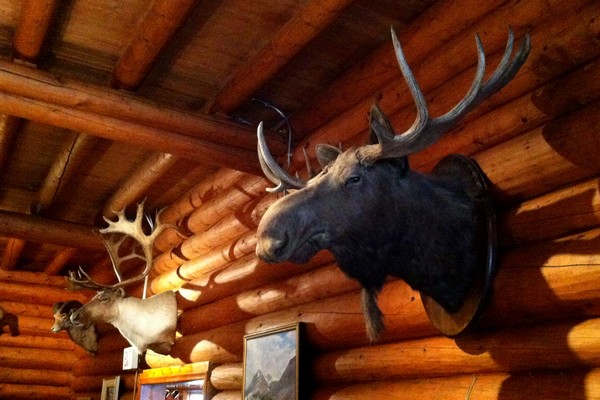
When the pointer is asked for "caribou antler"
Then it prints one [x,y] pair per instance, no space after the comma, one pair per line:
[425,131]
[125,229]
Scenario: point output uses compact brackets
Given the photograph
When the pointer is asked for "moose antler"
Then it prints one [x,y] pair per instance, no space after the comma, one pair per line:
[425,131]
[125,229]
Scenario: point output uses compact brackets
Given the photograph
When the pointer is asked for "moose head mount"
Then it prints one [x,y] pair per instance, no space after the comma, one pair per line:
[379,218]
[145,323]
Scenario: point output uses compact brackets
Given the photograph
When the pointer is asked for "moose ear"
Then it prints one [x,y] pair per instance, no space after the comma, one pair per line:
[121,292]
[326,154]
[379,125]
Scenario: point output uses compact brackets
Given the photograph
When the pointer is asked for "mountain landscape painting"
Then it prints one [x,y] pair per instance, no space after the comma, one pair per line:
[271,365]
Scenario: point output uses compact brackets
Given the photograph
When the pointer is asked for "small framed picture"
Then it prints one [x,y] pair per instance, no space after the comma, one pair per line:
[272,364]
[110,388]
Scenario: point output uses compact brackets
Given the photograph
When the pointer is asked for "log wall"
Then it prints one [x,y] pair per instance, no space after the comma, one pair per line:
[537,140]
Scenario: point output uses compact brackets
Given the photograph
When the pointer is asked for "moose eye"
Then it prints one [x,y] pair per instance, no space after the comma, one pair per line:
[352,180]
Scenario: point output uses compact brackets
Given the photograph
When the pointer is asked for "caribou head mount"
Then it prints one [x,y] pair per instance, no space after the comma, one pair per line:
[145,323]
[379,218]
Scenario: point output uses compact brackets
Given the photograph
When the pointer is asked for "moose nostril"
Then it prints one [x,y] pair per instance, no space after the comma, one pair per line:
[278,246]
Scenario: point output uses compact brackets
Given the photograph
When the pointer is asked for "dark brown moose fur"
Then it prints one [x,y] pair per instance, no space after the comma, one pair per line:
[83,335]
[378,219]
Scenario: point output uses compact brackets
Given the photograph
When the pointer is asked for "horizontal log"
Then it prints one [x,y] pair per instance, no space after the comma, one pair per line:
[43,230]
[228,395]
[217,258]
[458,55]
[209,213]
[30,358]
[557,347]
[131,133]
[220,345]
[155,360]
[571,209]
[102,364]
[540,161]
[552,293]
[35,392]
[175,212]
[571,384]
[227,376]
[26,339]
[241,275]
[223,232]
[27,309]
[532,273]
[311,286]
[554,99]
[38,294]
[35,377]
[80,98]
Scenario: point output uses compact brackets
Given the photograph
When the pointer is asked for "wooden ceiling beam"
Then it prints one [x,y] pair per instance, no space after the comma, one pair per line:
[45,230]
[93,99]
[50,102]
[12,253]
[65,164]
[61,258]
[34,22]
[139,182]
[288,42]
[163,20]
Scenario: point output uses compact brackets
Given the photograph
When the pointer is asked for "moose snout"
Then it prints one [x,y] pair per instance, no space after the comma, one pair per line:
[271,249]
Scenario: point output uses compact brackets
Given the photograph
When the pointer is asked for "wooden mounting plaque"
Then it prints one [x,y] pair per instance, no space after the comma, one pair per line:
[452,324]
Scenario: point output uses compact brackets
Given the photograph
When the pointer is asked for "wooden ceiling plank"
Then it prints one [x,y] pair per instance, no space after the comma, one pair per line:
[34,84]
[45,230]
[163,20]
[139,182]
[132,133]
[35,19]
[12,253]
[61,258]
[299,30]
[65,164]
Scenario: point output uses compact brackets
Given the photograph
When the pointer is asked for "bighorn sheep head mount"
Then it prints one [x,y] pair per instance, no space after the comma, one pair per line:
[379,218]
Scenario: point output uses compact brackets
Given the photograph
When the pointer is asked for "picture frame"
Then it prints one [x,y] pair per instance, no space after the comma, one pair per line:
[110,388]
[271,367]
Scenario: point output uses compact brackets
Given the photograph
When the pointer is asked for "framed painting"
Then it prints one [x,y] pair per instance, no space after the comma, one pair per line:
[110,388]
[272,364]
